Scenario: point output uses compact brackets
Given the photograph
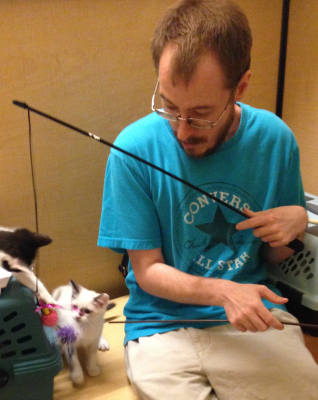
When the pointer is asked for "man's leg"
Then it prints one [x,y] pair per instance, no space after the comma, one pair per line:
[166,366]
[271,365]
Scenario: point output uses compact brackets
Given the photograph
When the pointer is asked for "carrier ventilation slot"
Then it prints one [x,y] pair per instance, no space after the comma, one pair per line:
[24,339]
[18,327]
[5,343]
[300,264]
[8,354]
[10,316]
[28,351]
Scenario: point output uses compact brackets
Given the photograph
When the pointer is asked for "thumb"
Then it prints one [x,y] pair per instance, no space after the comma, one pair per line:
[273,297]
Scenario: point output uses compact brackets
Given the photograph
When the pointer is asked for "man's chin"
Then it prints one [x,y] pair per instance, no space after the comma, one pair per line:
[197,151]
[193,154]
[193,150]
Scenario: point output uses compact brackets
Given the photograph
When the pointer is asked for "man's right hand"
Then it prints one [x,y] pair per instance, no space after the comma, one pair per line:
[244,307]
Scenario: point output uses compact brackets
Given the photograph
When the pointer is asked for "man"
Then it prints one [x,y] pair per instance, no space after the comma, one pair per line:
[190,257]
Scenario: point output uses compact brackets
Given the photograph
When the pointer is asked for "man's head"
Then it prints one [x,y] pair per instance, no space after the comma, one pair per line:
[201,50]
[199,26]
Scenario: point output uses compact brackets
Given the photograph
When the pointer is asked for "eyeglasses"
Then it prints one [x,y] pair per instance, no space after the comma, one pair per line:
[193,122]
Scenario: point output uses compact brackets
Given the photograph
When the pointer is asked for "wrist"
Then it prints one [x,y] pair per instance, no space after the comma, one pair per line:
[221,290]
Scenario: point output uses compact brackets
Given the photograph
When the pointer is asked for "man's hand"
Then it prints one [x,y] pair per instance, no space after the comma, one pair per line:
[245,310]
[276,226]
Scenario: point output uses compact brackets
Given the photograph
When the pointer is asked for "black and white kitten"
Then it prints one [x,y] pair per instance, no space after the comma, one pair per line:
[18,248]
[84,310]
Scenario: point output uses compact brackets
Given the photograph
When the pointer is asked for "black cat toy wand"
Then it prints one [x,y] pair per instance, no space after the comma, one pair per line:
[296,244]
[189,321]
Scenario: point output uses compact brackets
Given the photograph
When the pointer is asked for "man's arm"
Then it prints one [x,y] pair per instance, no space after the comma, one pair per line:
[242,302]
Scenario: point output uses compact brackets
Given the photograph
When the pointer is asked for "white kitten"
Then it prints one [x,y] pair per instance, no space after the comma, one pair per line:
[83,310]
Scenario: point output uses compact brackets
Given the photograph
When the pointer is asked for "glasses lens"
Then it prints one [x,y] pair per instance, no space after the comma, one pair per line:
[165,115]
[200,123]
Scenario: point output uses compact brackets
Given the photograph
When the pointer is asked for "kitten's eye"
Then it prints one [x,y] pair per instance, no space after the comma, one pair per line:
[86,311]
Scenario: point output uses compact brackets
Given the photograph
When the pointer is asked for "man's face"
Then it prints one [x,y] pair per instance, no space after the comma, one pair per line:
[204,97]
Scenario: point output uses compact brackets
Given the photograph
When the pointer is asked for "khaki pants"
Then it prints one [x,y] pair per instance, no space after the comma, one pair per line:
[221,363]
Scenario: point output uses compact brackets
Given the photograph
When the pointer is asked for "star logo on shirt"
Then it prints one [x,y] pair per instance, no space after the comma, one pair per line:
[219,230]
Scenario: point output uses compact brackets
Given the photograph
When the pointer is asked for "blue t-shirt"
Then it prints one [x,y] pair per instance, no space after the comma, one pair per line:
[258,168]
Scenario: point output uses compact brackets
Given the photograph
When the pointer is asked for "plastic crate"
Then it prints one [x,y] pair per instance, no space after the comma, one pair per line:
[29,356]
[297,279]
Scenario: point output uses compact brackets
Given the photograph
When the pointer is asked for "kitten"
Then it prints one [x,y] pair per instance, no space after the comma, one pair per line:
[18,248]
[83,310]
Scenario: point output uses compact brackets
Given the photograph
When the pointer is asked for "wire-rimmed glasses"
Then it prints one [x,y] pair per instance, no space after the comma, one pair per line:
[193,122]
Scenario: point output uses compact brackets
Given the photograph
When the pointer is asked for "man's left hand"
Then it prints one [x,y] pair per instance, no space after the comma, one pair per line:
[276,226]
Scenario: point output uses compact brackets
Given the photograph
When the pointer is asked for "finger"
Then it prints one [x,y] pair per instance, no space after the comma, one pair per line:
[236,320]
[276,324]
[257,324]
[278,243]
[254,221]
[249,213]
[260,321]
[243,325]
[270,321]
[274,239]
[273,322]
[265,233]
[239,326]
[272,296]
[250,321]
[254,323]
[268,237]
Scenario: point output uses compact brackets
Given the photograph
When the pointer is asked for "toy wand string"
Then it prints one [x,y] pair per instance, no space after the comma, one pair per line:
[296,244]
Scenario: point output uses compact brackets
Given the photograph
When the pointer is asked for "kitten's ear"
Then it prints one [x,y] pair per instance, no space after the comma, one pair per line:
[75,288]
[101,300]
[33,238]
[41,240]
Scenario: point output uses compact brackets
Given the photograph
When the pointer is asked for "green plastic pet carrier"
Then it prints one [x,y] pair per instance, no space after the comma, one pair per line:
[29,356]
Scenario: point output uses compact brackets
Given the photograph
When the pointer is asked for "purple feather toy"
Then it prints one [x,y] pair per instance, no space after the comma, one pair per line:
[66,334]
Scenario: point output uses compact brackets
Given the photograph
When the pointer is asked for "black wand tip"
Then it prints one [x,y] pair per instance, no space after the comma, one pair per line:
[20,104]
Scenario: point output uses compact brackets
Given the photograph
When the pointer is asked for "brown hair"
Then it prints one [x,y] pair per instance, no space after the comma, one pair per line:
[197,26]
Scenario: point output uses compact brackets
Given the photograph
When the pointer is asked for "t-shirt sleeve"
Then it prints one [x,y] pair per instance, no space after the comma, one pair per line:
[291,190]
[128,218]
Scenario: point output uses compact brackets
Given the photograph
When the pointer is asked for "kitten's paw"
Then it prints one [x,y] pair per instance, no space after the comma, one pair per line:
[46,298]
[103,345]
[93,370]
[77,378]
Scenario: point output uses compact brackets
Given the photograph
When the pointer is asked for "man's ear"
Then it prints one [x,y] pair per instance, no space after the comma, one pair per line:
[242,85]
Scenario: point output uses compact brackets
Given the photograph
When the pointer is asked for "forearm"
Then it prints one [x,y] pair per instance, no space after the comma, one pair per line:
[242,302]
[155,277]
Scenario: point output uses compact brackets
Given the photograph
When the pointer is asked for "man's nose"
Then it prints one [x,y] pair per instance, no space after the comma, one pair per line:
[183,131]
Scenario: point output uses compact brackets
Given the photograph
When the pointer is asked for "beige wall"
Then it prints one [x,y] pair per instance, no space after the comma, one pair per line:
[301,93]
[87,62]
